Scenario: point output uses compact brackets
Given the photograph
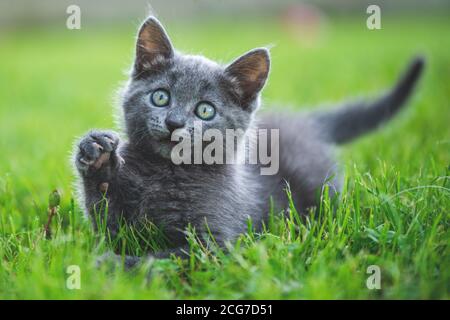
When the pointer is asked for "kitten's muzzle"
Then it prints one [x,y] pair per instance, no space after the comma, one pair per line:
[174,122]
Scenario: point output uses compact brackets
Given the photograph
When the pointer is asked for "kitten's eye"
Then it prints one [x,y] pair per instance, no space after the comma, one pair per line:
[205,111]
[160,98]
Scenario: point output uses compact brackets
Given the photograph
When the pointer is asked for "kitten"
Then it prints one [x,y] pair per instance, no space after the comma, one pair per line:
[165,91]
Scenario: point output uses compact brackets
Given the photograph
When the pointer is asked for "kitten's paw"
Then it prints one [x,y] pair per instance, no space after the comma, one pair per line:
[97,150]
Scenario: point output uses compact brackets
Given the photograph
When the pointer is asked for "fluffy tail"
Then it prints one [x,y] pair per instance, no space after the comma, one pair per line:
[348,123]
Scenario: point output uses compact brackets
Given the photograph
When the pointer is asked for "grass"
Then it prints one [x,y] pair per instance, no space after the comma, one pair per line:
[394,213]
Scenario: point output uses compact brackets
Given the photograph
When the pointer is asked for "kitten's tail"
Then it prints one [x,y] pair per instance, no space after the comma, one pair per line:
[348,123]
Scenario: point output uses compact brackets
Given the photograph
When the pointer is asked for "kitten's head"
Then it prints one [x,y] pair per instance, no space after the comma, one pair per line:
[169,90]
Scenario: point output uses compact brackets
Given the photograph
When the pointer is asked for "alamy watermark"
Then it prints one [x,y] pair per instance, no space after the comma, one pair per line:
[374,20]
[73,281]
[73,21]
[235,146]
[373,282]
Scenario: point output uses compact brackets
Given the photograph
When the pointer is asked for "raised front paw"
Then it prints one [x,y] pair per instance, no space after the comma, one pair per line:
[97,150]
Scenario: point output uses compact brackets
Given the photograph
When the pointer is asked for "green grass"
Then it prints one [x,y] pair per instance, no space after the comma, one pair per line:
[55,84]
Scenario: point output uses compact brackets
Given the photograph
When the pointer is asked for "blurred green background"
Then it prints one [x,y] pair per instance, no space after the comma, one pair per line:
[56,83]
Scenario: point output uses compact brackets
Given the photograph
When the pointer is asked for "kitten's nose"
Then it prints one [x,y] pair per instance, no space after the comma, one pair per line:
[174,122]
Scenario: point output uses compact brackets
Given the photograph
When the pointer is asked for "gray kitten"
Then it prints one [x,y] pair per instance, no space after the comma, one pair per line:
[165,91]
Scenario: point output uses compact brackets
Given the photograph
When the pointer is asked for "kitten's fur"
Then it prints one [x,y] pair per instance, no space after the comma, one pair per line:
[142,181]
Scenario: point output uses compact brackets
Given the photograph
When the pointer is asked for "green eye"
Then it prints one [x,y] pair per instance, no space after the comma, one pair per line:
[160,98]
[205,111]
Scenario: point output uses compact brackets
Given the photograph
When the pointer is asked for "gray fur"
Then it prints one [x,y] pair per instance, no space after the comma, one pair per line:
[143,183]
[352,121]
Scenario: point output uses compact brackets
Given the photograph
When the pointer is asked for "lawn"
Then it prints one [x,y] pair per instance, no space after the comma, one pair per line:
[55,84]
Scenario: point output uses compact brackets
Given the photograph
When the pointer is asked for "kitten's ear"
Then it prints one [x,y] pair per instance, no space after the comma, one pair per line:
[249,73]
[153,46]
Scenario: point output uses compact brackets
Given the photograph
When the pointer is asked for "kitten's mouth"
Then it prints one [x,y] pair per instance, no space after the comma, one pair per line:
[167,140]
[175,139]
